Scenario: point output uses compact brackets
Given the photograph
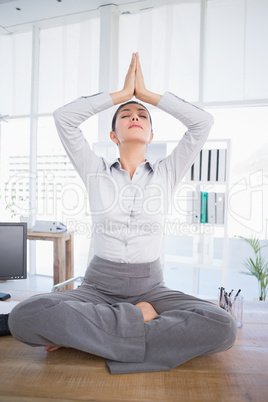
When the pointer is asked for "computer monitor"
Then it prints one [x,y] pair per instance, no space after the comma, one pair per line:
[13,250]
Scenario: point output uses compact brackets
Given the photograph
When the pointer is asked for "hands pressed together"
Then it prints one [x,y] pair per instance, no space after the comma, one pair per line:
[134,82]
[134,85]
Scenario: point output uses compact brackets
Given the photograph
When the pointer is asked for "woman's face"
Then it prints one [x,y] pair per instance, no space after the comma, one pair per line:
[132,124]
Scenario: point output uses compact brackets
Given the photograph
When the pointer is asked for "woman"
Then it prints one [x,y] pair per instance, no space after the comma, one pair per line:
[123,311]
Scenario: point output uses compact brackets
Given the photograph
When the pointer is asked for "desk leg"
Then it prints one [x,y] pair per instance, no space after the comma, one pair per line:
[59,261]
[69,248]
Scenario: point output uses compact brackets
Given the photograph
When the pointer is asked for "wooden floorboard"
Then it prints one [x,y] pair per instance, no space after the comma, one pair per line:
[241,374]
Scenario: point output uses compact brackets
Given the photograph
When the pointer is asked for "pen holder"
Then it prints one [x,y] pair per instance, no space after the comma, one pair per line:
[234,305]
[236,309]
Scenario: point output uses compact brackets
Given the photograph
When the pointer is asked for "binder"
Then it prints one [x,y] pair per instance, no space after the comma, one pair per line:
[211,208]
[213,161]
[193,207]
[204,164]
[197,206]
[49,226]
[203,215]
[220,200]
[222,165]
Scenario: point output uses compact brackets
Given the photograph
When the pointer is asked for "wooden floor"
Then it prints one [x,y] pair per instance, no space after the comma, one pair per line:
[241,374]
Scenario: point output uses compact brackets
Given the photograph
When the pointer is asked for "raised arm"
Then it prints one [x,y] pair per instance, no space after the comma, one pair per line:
[69,117]
[198,123]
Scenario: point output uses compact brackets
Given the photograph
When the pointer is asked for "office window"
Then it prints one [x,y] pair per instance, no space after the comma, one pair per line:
[167,39]
[14,168]
[69,68]
[256,56]
[61,194]
[248,195]
[236,63]
[69,63]
[60,189]
[15,73]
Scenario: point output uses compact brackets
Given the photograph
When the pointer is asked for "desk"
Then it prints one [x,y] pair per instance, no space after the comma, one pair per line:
[240,374]
[63,266]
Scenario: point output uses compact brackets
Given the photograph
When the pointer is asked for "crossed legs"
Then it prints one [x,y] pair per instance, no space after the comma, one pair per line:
[155,331]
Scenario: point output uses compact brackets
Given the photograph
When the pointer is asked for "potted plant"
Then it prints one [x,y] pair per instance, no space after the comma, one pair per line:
[13,206]
[17,206]
[257,266]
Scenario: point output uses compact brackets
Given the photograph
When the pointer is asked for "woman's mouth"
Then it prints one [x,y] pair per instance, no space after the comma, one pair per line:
[135,125]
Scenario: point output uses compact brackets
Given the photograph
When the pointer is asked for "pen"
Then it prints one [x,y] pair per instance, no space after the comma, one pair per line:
[221,297]
[226,301]
[237,294]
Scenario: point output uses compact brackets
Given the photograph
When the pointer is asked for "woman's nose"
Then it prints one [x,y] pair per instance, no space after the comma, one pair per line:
[135,118]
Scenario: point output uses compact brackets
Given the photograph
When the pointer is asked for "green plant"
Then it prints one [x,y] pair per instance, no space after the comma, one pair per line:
[13,205]
[257,267]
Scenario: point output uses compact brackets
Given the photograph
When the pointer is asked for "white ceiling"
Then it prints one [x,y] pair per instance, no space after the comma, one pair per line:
[16,13]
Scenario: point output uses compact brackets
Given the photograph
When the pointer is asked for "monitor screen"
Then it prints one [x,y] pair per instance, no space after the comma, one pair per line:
[13,250]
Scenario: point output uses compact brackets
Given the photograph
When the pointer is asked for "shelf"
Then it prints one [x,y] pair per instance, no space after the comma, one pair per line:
[205,183]
[202,246]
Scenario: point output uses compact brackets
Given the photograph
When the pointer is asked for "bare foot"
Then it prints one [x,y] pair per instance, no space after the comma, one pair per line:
[52,348]
[148,311]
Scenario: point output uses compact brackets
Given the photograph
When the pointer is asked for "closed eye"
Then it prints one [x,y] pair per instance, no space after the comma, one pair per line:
[141,115]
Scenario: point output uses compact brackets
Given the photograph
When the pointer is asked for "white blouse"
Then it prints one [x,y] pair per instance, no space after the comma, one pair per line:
[128,215]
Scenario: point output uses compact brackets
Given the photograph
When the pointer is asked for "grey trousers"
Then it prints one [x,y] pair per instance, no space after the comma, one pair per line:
[100,317]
